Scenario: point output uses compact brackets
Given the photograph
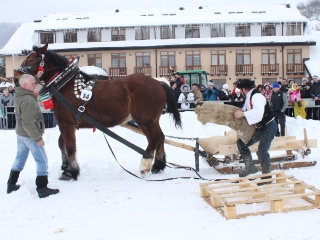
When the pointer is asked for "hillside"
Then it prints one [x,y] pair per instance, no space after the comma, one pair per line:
[6,31]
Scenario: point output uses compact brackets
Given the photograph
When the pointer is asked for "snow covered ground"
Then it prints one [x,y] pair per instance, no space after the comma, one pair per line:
[108,203]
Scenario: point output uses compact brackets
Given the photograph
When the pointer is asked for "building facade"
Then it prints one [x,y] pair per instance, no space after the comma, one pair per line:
[264,43]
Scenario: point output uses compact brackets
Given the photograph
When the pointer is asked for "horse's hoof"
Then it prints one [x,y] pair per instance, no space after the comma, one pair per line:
[144,172]
[156,170]
[65,176]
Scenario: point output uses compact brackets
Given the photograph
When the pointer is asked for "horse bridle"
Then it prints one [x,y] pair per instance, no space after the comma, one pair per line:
[27,69]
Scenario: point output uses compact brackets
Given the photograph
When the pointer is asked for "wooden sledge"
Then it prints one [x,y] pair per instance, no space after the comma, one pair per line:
[231,164]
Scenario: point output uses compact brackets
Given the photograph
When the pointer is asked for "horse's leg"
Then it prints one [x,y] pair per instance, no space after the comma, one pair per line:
[69,139]
[64,156]
[155,139]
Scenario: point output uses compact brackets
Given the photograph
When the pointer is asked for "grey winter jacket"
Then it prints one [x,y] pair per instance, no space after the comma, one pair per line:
[6,100]
[29,119]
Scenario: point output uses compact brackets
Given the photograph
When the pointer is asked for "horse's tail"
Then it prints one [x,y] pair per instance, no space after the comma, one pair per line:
[172,105]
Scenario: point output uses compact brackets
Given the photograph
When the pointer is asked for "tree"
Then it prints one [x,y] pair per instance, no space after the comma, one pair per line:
[2,67]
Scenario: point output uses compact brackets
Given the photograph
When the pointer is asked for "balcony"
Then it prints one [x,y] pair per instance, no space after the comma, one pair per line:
[166,71]
[295,68]
[117,72]
[194,67]
[270,69]
[244,69]
[145,70]
[219,70]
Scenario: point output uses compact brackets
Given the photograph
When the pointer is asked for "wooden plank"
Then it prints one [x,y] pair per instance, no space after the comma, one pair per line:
[277,205]
[275,146]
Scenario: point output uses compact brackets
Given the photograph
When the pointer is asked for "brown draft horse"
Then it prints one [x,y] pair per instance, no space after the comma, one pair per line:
[113,102]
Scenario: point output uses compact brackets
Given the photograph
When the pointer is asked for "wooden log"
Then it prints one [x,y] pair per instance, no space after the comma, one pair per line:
[167,141]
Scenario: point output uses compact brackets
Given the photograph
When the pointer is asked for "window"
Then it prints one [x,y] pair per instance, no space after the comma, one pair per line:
[70,36]
[243,30]
[192,58]
[95,60]
[293,29]
[294,56]
[192,31]
[94,35]
[142,33]
[268,30]
[118,65]
[167,32]
[217,31]
[243,57]
[46,37]
[118,60]
[118,34]
[143,59]
[168,59]
[218,57]
[269,56]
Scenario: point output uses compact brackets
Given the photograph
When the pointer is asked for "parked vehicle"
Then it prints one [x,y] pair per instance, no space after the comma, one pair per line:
[195,76]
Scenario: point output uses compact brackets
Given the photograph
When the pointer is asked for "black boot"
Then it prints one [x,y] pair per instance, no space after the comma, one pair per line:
[42,189]
[13,179]
[265,168]
[250,168]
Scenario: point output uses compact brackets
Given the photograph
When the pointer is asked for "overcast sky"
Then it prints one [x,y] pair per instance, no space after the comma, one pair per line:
[30,10]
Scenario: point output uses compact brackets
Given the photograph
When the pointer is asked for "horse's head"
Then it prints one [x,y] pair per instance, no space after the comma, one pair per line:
[52,63]
[31,63]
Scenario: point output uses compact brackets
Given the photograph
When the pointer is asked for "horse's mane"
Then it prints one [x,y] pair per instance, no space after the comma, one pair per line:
[56,59]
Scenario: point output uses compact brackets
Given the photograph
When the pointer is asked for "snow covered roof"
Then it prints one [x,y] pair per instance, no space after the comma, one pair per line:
[24,37]
[157,17]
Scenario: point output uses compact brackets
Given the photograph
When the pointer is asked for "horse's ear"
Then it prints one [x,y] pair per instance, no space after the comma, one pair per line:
[40,50]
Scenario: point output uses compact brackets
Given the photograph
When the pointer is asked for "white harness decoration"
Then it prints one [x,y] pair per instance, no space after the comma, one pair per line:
[83,90]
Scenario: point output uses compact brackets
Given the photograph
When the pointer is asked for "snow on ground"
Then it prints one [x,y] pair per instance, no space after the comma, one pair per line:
[108,203]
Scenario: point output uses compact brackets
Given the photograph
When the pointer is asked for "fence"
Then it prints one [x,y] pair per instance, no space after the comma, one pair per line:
[8,118]
[312,110]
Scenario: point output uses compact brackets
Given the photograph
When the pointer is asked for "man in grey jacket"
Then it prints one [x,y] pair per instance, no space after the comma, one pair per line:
[29,130]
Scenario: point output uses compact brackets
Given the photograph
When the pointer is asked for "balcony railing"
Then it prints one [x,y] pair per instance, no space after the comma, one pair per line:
[117,72]
[219,70]
[295,68]
[145,70]
[166,71]
[194,67]
[270,69]
[244,69]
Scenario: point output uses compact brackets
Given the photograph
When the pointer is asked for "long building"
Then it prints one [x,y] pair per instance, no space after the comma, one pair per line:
[264,43]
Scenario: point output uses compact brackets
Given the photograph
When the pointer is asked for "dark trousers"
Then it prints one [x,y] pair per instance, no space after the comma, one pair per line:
[264,136]
[315,113]
[280,118]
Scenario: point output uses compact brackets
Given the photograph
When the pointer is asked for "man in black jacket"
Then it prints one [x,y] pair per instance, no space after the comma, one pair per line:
[278,104]
[315,94]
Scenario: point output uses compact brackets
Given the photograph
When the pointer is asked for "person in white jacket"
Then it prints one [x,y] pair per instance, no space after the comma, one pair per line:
[257,111]
[185,97]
